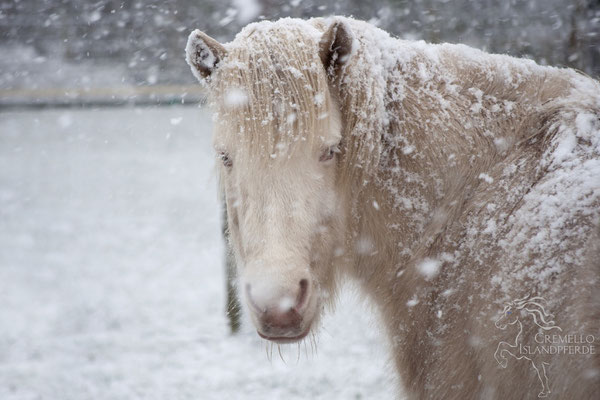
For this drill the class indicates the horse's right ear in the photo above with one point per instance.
(203, 54)
(336, 46)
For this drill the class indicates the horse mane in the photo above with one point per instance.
(534, 306)
(360, 89)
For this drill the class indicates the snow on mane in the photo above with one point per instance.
(268, 91)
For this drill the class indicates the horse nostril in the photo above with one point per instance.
(302, 295)
(271, 301)
(303, 284)
(251, 300)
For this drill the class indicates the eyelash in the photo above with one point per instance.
(329, 153)
(325, 156)
(227, 161)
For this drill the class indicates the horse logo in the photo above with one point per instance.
(513, 311)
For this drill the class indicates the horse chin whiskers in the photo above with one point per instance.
(269, 351)
(309, 341)
(280, 355)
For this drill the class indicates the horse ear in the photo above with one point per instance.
(203, 54)
(335, 47)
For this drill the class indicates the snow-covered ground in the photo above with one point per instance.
(111, 278)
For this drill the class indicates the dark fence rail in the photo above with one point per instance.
(101, 97)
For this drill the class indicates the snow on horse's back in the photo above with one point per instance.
(447, 181)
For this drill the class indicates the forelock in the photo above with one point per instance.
(271, 90)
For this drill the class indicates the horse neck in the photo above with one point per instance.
(431, 161)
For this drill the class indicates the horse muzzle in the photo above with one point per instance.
(281, 316)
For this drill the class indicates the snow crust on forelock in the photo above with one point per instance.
(437, 128)
(269, 92)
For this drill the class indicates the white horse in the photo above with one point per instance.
(445, 180)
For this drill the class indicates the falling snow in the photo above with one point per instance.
(429, 267)
(113, 286)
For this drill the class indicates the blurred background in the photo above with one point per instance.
(112, 277)
(105, 49)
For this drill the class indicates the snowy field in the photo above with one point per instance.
(111, 278)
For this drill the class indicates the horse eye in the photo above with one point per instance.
(329, 153)
(227, 161)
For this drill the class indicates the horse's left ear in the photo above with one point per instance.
(335, 47)
(203, 54)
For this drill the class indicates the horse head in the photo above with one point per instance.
(278, 137)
